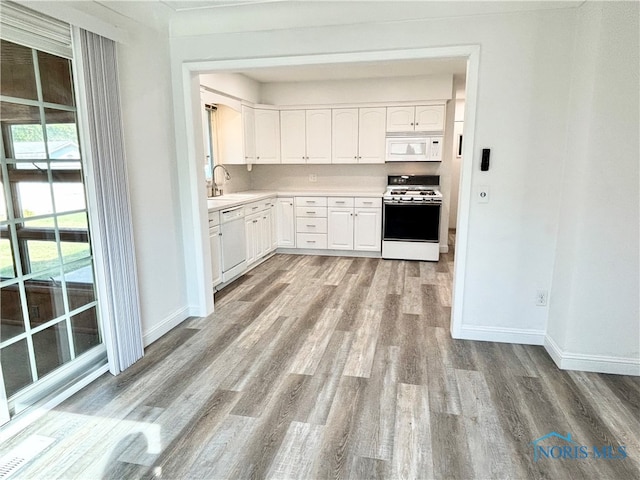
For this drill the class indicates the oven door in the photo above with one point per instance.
(410, 222)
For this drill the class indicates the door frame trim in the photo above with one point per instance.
(193, 201)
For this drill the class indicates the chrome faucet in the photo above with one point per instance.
(217, 190)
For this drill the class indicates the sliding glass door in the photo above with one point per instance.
(49, 316)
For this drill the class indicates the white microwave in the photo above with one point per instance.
(422, 148)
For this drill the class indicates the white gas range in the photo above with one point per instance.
(411, 218)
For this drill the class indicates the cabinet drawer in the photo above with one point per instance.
(311, 225)
(369, 202)
(311, 201)
(214, 219)
(311, 212)
(340, 201)
(311, 240)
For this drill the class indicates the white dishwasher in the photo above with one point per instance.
(234, 249)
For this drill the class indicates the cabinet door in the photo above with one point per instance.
(250, 232)
(292, 136)
(367, 230)
(259, 236)
(267, 136)
(430, 118)
(372, 142)
(216, 248)
(286, 222)
(265, 235)
(400, 119)
(344, 135)
(249, 133)
(340, 229)
(318, 136)
(274, 227)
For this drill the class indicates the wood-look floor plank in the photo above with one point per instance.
(334, 459)
(486, 440)
(308, 357)
(323, 385)
(450, 448)
(294, 459)
(376, 420)
(412, 297)
(364, 343)
(412, 448)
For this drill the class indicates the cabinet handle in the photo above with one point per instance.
(311, 213)
(355, 158)
(254, 208)
(368, 203)
(255, 221)
(220, 234)
(257, 158)
(311, 226)
(311, 241)
(412, 124)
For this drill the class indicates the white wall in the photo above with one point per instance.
(396, 89)
(521, 114)
(594, 315)
(145, 88)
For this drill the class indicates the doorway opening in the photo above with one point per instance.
(189, 132)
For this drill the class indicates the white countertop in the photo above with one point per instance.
(240, 198)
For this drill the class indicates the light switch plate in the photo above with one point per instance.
(313, 177)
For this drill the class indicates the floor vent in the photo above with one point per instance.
(22, 454)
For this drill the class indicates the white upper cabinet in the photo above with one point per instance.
(344, 136)
(318, 136)
(401, 119)
(293, 136)
(429, 118)
(305, 136)
(425, 118)
(249, 134)
(358, 135)
(371, 135)
(267, 136)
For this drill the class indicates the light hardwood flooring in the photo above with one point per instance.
(320, 367)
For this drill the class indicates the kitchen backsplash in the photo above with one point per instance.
(347, 177)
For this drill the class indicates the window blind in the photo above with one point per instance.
(106, 139)
(22, 25)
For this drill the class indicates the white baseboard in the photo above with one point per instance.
(591, 363)
(502, 334)
(444, 248)
(165, 325)
(329, 253)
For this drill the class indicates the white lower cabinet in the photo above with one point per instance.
(216, 249)
(259, 230)
(367, 229)
(340, 228)
(355, 224)
(285, 222)
(311, 222)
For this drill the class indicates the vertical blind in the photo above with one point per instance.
(100, 75)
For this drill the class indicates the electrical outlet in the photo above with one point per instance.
(313, 177)
(541, 298)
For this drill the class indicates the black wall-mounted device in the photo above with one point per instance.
(484, 165)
